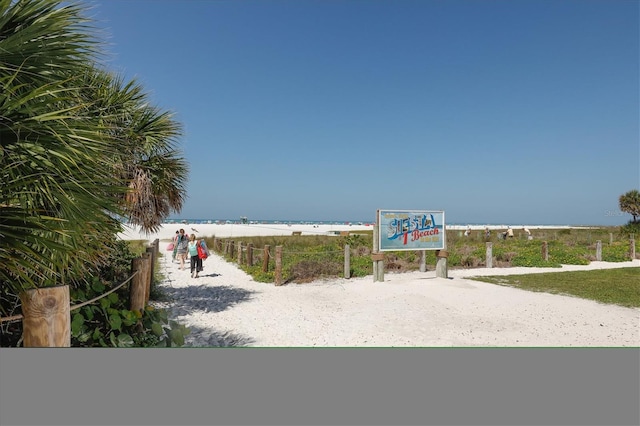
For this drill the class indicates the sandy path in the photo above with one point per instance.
(225, 307)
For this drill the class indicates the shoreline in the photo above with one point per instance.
(226, 230)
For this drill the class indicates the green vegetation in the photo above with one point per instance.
(616, 286)
(307, 258)
(80, 151)
(630, 203)
(108, 322)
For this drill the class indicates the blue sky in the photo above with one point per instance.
(493, 111)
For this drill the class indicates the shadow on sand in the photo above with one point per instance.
(207, 337)
(196, 299)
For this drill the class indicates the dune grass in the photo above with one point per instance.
(310, 257)
(620, 286)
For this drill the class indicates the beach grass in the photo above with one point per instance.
(620, 286)
(310, 257)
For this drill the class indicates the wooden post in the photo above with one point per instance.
(423, 260)
(545, 251)
(489, 255)
(441, 263)
(240, 253)
(598, 250)
(374, 252)
(138, 288)
(265, 259)
(232, 249)
(156, 245)
(250, 254)
(47, 317)
(278, 271)
(152, 265)
(146, 272)
(610, 238)
(377, 257)
(347, 261)
(632, 249)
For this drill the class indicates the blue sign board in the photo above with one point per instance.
(411, 230)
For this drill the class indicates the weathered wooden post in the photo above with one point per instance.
(347, 261)
(423, 260)
(250, 254)
(598, 250)
(377, 257)
(441, 263)
(156, 245)
(138, 288)
(489, 255)
(278, 270)
(146, 270)
(46, 319)
(232, 249)
(610, 238)
(265, 258)
(240, 245)
(152, 264)
(632, 249)
(545, 251)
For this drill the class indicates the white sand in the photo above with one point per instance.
(226, 307)
(167, 231)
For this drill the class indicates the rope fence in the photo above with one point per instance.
(46, 311)
(80, 305)
(273, 258)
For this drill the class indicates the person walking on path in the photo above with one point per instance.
(175, 246)
(182, 246)
(196, 262)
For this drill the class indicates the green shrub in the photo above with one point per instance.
(631, 228)
(309, 257)
(108, 322)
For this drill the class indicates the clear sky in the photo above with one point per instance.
(493, 111)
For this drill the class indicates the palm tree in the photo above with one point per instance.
(630, 203)
(53, 211)
(150, 163)
(79, 149)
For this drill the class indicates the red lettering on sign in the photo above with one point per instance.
(417, 234)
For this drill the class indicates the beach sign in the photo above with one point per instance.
(411, 230)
